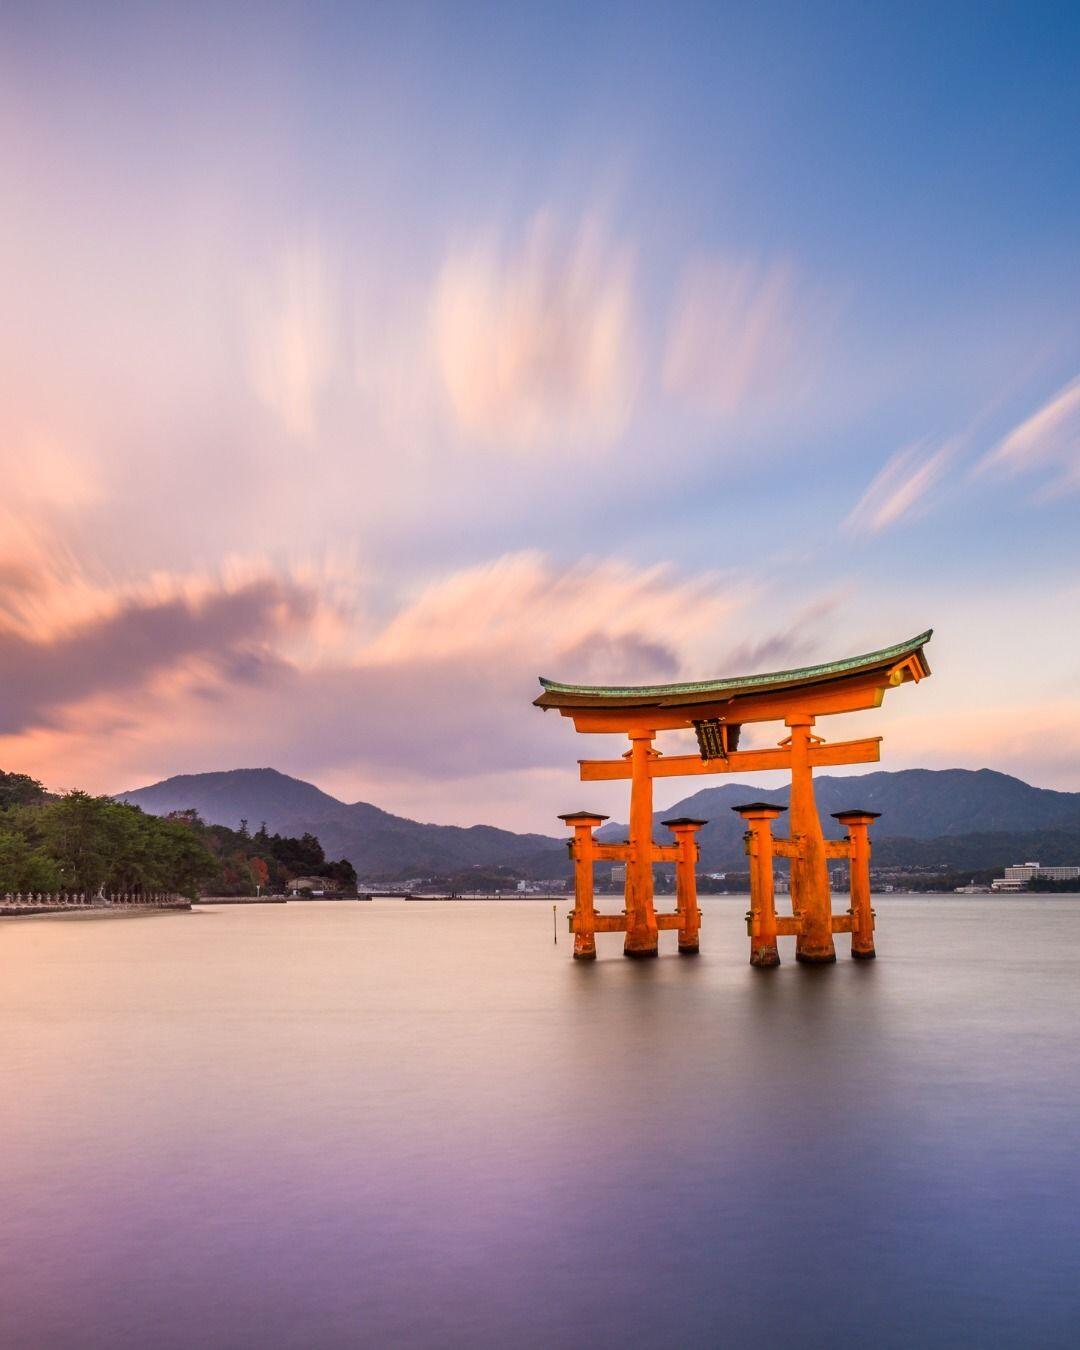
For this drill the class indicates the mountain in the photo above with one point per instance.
(958, 817)
(228, 797)
(921, 809)
(977, 852)
(375, 842)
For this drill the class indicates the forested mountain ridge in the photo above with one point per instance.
(79, 843)
(943, 815)
(951, 816)
(376, 842)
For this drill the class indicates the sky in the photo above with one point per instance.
(361, 363)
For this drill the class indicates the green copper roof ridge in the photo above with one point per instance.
(741, 681)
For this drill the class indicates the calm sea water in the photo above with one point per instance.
(398, 1125)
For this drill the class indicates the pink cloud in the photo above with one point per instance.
(537, 344)
(523, 602)
(441, 690)
(1049, 440)
(741, 335)
(1038, 741)
(901, 487)
(292, 336)
(222, 637)
(425, 711)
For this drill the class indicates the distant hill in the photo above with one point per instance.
(958, 817)
(375, 842)
(227, 797)
(920, 810)
(975, 852)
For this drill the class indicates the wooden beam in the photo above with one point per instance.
(612, 852)
(832, 697)
(834, 848)
(609, 923)
(616, 923)
(865, 751)
(625, 853)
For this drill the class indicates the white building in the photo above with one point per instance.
(1020, 875)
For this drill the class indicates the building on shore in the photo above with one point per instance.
(1021, 875)
(307, 888)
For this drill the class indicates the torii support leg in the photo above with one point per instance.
(862, 915)
(642, 938)
(761, 921)
(685, 831)
(810, 895)
(582, 850)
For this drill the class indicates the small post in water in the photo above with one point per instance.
(555, 922)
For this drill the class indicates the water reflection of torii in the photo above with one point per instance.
(716, 710)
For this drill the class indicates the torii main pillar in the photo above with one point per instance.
(809, 866)
(642, 936)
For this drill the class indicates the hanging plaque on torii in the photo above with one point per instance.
(716, 710)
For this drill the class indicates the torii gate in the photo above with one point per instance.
(717, 710)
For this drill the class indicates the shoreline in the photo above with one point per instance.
(189, 906)
(241, 900)
(92, 911)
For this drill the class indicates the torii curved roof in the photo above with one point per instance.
(558, 695)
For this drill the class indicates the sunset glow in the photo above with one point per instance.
(337, 407)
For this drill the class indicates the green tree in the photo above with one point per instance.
(24, 868)
(19, 789)
(75, 832)
(83, 843)
(101, 844)
(183, 861)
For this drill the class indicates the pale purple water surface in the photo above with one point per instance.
(398, 1125)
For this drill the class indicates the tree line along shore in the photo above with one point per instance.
(75, 842)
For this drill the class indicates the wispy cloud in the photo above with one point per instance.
(43, 474)
(799, 639)
(191, 671)
(229, 634)
(523, 602)
(1048, 440)
(742, 333)
(291, 336)
(537, 343)
(901, 488)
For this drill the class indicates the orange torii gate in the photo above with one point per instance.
(717, 710)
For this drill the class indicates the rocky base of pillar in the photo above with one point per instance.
(689, 949)
(817, 958)
(764, 957)
(585, 954)
(641, 953)
(858, 954)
